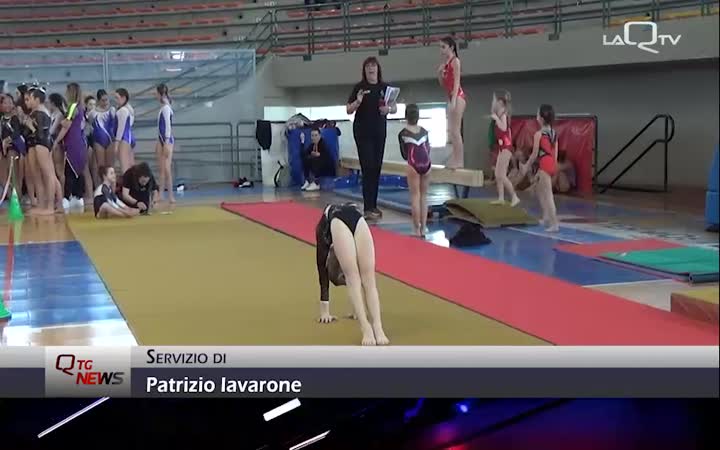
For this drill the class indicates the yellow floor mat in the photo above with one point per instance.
(203, 276)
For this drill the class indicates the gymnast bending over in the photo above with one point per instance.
(346, 256)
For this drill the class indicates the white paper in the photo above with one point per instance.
(391, 95)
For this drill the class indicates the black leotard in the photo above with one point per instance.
(10, 127)
(41, 134)
(350, 215)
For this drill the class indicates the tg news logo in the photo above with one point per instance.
(82, 371)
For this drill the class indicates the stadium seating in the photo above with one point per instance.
(70, 24)
(54, 14)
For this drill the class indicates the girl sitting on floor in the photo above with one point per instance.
(139, 189)
(565, 179)
(106, 204)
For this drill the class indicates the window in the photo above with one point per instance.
(279, 113)
(434, 119)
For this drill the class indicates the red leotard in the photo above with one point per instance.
(504, 138)
(449, 80)
(546, 157)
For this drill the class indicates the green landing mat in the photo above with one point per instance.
(696, 263)
(483, 212)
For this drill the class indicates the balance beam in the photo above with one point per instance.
(439, 174)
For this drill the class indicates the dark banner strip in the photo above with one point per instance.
(21, 382)
(407, 382)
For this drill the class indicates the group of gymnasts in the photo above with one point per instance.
(66, 148)
(541, 164)
(345, 250)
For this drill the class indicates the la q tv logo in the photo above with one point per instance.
(83, 373)
(650, 40)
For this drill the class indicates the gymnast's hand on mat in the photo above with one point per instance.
(326, 318)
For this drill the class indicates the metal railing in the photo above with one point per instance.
(205, 152)
(668, 134)
(347, 26)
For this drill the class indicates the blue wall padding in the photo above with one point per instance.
(713, 176)
(295, 149)
(712, 208)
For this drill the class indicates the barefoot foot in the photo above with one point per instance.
(368, 337)
(500, 201)
(42, 212)
(380, 337)
(515, 201)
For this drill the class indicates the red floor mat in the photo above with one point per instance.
(556, 311)
(597, 249)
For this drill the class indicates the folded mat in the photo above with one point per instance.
(699, 304)
(696, 263)
(483, 212)
(597, 249)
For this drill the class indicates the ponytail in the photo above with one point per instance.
(450, 42)
(164, 92)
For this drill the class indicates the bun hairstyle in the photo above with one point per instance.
(20, 100)
(38, 93)
(58, 101)
(164, 91)
(122, 92)
(504, 97)
(450, 42)
(412, 114)
(547, 114)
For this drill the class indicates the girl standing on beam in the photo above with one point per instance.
(449, 78)
(345, 255)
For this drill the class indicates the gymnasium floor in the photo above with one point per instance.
(178, 279)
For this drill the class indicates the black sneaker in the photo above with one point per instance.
(371, 215)
(377, 212)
